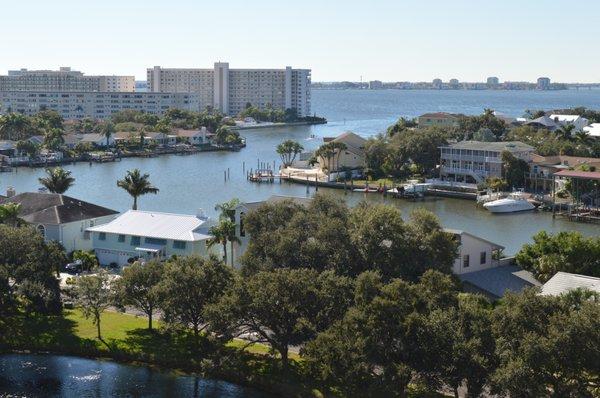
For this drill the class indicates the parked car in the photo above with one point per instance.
(74, 267)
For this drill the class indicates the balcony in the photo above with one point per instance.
(459, 170)
(481, 159)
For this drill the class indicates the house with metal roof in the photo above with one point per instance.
(496, 281)
(474, 252)
(147, 235)
(61, 218)
(577, 121)
(563, 282)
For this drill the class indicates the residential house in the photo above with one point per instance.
(240, 212)
(147, 235)
(8, 148)
(543, 122)
(36, 139)
(593, 130)
(475, 161)
(496, 281)
(195, 137)
(61, 218)
(563, 282)
(352, 158)
(563, 120)
(71, 140)
(161, 138)
(547, 166)
(438, 119)
(97, 140)
(474, 253)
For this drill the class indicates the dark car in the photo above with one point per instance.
(74, 267)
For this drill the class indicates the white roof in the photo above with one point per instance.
(562, 282)
(157, 225)
(461, 232)
(564, 118)
(593, 129)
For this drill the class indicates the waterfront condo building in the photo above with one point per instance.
(96, 105)
(63, 79)
(438, 119)
(230, 90)
(475, 161)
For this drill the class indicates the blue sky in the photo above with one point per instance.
(389, 40)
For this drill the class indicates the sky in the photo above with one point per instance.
(389, 40)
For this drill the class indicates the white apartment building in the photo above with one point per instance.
(96, 105)
(229, 90)
(63, 79)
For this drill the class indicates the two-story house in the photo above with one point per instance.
(475, 161)
(150, 235)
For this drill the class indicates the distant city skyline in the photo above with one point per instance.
(382, 40)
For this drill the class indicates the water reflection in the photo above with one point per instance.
(63, 376)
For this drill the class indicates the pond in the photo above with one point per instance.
(65, 376)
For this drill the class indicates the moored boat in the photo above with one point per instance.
(513, 203)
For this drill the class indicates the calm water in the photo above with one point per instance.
(188, 183)
(64, 376)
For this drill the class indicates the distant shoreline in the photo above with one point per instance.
(265, 125)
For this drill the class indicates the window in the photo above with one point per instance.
(466, 261)
(135, 241)
(155, 241)
(482, 258)
(102, 236)
(121, 238)
(242, 230)
(179, 244)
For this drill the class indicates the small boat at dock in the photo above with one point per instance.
(514, 202)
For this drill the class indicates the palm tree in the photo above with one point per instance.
(338, 147)
(566, 131)
(14, 126)
(582, 137)
(9, 214)
(227, 209)
(136, 184)
(54, 138)
(288, 150)
(327, 152)
(107, 130)
(222, 233)
(58, 180)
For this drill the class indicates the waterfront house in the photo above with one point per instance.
(61, 218)
(496, 281)
(147, 235)
(97, 140)
(240, 212)
(563, 282)
(474, 253)
(575, 120)
(438, 119)
(352, 158)
(195, 137)
(8, 148)
(160, 138)
(36, 139)
(543, 122)
(475, 161)
(547, 166)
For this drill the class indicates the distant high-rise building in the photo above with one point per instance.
(230, 90)
(492, 81)
(454, 83)
(437, 83)
(375, 84)
(543, 83)
(63, 80)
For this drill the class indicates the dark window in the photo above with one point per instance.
(135, 241)
(102, 236)
(466, 260)
(242, 230)
(121, 238)
(155, 241)
(179, 244)
(482, 258)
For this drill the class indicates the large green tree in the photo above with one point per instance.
(139, 287)
(94, 295)
(288, 150)
(189, 286)
(282, 308)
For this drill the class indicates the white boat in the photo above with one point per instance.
(513, 203)
(365, 190)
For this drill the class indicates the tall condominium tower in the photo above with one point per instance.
(230, 90)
